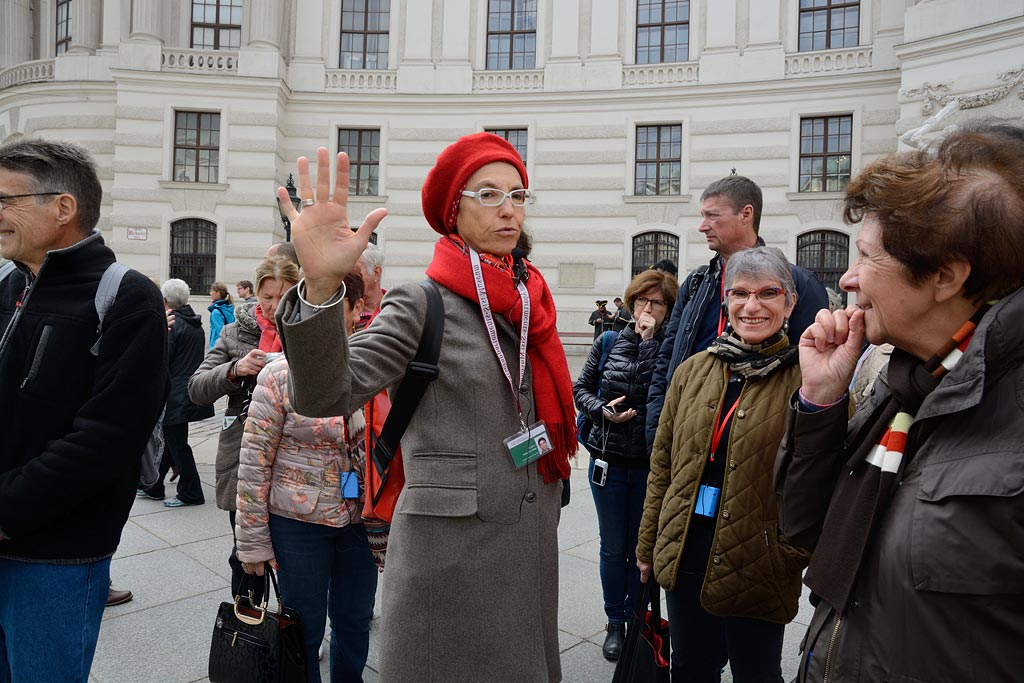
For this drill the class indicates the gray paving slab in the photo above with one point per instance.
(136, 540)
(212, 553)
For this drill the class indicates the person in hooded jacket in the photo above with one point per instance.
(230, 369)
(186, 346)
(222, 310)
(614, 398)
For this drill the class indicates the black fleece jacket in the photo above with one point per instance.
(627, 372)
(73, 425)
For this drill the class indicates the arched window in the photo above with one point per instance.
(651, 247)
(194, 253)
(826, 253)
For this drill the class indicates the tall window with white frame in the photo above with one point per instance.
(826, 253)
(662, 31)
(363, 148)
(196, 146)
(825, 149)
(659, 160)
(829, 24)
(515, 136)
(651, 247)
(364, 34)
(194, 252)
(511, 34)
(216, 24)
(63, 36)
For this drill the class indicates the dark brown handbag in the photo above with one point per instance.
(252, 644)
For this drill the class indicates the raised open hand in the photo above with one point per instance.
(326, 246)
(829, 351)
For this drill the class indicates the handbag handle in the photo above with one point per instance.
(269, 578)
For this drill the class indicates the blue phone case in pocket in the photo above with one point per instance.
(707, 501)
(349, 485)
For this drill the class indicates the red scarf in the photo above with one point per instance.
(269, 341)
(552, 386)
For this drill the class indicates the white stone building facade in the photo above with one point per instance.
(197, 109)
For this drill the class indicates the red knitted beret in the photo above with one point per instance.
(461, 159)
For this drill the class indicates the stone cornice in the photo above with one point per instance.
(937, 48)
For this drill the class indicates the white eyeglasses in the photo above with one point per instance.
(489, 196)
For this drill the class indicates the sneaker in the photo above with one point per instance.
(179, 503)
(143, 493)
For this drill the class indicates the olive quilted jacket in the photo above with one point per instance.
(753, 571)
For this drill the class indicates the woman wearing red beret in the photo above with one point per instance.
(471, 591)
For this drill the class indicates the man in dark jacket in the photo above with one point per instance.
(76, 409)
(731, 217)
(186, 346)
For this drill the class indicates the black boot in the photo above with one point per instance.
(613, 641)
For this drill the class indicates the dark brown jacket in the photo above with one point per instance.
(940, 592)
(753, 570)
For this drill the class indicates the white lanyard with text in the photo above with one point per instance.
(492, 331)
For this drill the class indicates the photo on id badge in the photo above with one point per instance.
(526, 446)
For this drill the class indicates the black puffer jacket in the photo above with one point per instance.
(627, 372)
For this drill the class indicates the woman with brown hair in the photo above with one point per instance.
(613, 397)
(222, 310)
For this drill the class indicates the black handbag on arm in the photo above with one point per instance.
(252, 644)
(645, 654)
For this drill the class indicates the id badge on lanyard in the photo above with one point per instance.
(529, 443)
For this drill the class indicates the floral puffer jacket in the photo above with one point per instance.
(292, 466)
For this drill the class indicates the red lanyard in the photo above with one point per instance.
(716, 435)
(723, 319)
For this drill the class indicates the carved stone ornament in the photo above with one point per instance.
(931, 93)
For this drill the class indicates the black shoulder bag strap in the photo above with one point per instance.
(421, 372)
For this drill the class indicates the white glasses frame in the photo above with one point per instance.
(527, 194)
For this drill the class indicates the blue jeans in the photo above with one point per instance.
(50, 620)
(327, 570)
(701, 640)
(620, 504)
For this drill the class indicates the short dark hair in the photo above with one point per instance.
(56, 166)
(245, 284)
(962, 201)
(353, 288)
(738, 192)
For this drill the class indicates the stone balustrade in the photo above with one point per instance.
(844, 60)
(27, 72)
(199, 61)
(360, 79)
(647, 75)
(494, 81)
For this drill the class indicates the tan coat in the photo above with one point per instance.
(471, 587)
(753, 571)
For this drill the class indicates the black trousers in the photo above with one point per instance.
(179, 453)
(700, 640)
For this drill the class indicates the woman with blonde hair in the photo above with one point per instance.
(613, 397)
(230, 369)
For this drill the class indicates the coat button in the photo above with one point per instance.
(530, 497)
(725, 514)
(741, 413)
(732, 464)
(716, 560)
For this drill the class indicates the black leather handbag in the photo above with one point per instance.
(252, 644)
(645, 654)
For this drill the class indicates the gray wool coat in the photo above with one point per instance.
(471, 588)
(210, 381)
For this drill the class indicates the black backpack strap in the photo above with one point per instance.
(421, 372)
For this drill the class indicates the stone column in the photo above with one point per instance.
(416, 72)
(265, 21)
(111, 29)
(721, 24)
(85, 26)
(146, 21)
(15, 33)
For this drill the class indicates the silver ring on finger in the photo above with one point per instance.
(307, 202)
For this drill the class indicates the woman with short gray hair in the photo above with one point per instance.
(709, 532)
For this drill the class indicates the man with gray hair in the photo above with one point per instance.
(370, 268)
(78, 403)
(730, 212)
(186, 347)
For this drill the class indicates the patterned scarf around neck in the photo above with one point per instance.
(875, 468)
(754, 360)
(552, 385)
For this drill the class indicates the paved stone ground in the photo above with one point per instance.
(175, 561)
